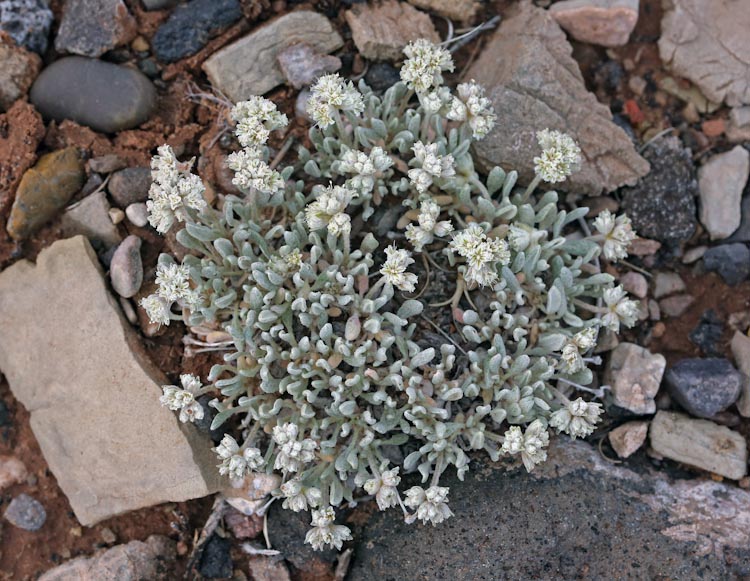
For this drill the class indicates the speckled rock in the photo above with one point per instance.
(662, 205)
(90, 217)
(534, 82)
(26, 513)
(381, 31)
(248, 66)
(634, 374)
(28, 22)
(19, 69)
(731, 261)
(93, 27)
(576, 516)
(152, 560)
(129, 186)
(699, 443)
(216, 559)
(704, 387)
(126, 268)
(103, 96)
(44, 190)
(190, 26)
(602, 22)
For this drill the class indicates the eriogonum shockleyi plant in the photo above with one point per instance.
(364, 349)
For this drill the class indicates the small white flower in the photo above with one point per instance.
(298, 497)
(617, 232)
(431, 166)
(291, 454)
(325, 532)
(184, 399)
(578, 418)
(473, 107)
(330, 94)
(365, 167)
(340, 224)
(482, 254)
(235, 462)
(255, 119)
(620, 309)
(173, 281)
(384, 488)
(252, 172)
(530, 444)
(431, 504)
(330, 201)
(560, 156)
(394, 269)
(157, 309)
(424, 65)
(572, 360)
(428, 226)
(437, 101)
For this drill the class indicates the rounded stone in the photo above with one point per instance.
(126, 269)
(103, 96)
(137, 214)
(129, 186)
(26, 513)
(704, 387)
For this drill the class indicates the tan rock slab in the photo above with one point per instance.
(381, 31)
(248, 66)
(457, 10)
(72, 360)
(602, 22)
(634, 375)
(699, 443)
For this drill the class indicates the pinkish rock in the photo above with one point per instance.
(634, 375)
(301, 64)
(602, 22)
(12, 471)
(628, 438)
(676, 306)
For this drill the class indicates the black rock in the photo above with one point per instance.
(129, 186)
(5, 417)
(662, 204)
(26, 513)
(103, 96)
(27, 22)
(192, 25)
(204, 424)
(707, 335)
(381, 76)
(731, 261)
(216, 560)
(704, 387)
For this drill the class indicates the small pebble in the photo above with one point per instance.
(628, 438)
(129, 311)
(116, 215)
(300, 106)
(658, 330)
(694, 254)
(12, 471)
(654, 312)
(129, 185)
(637, 85)
(139, 44)
(26, 513)
(704, 387)
(731, 261)
(126, 269)
(667, 283)
(137, 214)
(676, 306)
(106, 163)
(635, 283)
(108, 536)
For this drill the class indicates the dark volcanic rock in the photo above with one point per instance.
(704, 387)
(575, 517)
(662, 204)
(192, 25)
(707, 335)
(381, 76)
(27, 21)
(216, 561)
(92, 27)
(731, 261)
(104, 96)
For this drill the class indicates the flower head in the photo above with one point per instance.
(572, 360)
(237, 462)
(324, 532)
(577, 418)
(331, 94)
(394, 269)
(255, 119)
(364, 167)
(157, 308)
(384, 488)
(298, 497)
(473, 107)
(330, 202)
(530, 444)
(431, 166)
(482, 254)
(292, 454)
(560, 156)
(184, 399)
(428, 226)
(617, 233)
(173, 281)
(424, 65)
(620, 309)
(431, 504)
(252, 172)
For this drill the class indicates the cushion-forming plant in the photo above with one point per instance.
(354, 356)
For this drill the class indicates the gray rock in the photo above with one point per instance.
(628, 438)
(382, 76)
(90, 217)
(676, 306)
(302, 65)
(704, 387)
(19, 69)
(26, 513)
(738, 128)
(158, 4)
(707, 334)
(634, 375)
(103, 96)
(129, 186)
(457, 10)
(28, 22)
(662, 205)
(533, 83)
(190, 26)
(248, 66)
(381, 31)
(699, 443)
(741, 353)
(93, 27)
(721, 181)
(106, 163)
(153, 560)
(137, 214)
(635, 284)
(216, 559)
(602, 22)
(576, 516)
(742, 234)
(126, 268)
(696, 35)
(731, 261)
(668, 283)
(70, 369)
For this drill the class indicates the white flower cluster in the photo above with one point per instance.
(325, 532)
(482, 254)
(236, 462)
(617, 234)
(173, 192)
(184, 399)
(619, 309)
(252, 172)
(331, 94)
(577, 418)
(560, 156)
(255, 119)
(329, 209)
(530, 444)
(298, 497)
(473, 107)
(292, 453)
(384, 488)
(427, 226)
(424, 65)
(572, 359)
(173, 281)
(431, 505)
(364, 167)
(431, 166)
(394, 269)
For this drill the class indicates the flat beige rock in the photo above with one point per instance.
(72, 360)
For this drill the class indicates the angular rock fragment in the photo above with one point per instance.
(634, 375)
(92, 392)
(602, 22)
(302, 65)
(456, 10)
(704, 387)
(628, 438)
(722, 180)
(19, 69)
(28, 22)
(534, 83)
(90, 217)
(731, 261)
(93, 27)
